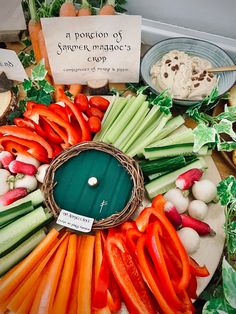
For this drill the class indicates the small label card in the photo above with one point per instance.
(11, 65)
(75, 221)
(93, 48)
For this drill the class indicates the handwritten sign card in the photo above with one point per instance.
(11, 65)
(93, 47)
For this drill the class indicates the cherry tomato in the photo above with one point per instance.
(99, 102)
(81, 101)
(94, 112)
(94, 124)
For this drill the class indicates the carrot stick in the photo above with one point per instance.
(57, 91)
(34, 28)
(72, 306)
(108, 8)
(68, 9)
(27, 286)
(27, 302)
(43, 51)
(63, 292)
(11, 282)
(75, 89)
(45, 295)
(85, 9)
(85, 276)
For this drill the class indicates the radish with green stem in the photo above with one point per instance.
(198, 209)
(190, 239)
(204, 190)
(187, 179)
(26, 181)
(17, 166)
(5, 176)
(200, 227)
(41, 172)
(172, 214)
(176, 197)
(12, 196)
(28, 160)
(5, 158)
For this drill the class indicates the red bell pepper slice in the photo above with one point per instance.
(150, 276)
(192, 287)
(127, 276)
(57, 149)
(26, 134)
(60, 110)
(113, 295)
(36, 112)
(23, 123)
(159, 202)
(142, 222)
(86, 134)
(17, 145)
(132, 236)
(51, 134)
(155, 250)
(197, 270)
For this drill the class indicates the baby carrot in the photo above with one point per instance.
(68, 9)
(85, 9)
(108, 8)
(34, 28)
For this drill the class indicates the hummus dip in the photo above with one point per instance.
(185, 76)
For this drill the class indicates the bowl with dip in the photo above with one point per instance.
(180, 65)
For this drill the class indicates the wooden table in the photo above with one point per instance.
(224, 168)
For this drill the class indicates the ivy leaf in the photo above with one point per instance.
(203, 135)
(229, 283)
(232, 237)
(26, 41)
(27, 85)
(217, 306)
(226, 190)
(32, 94)
(39, 72)
(48, 88)
(226, 146)
(164, 100)
(43, 97)
(229, 113)
(225, 126)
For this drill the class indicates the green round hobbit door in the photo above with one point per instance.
(93, 184)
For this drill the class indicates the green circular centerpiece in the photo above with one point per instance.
(96, 180)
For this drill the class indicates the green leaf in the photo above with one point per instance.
(229, 113)
(39, 72)
(32, 94)
(48, 88)
(14, 114)
(229, 283)
(43, 97)
(225, 126)
(26, 41)
(203, 135)
(226, 146)
(226, 190)
(27, 85)
(232, 237)
(215, 306)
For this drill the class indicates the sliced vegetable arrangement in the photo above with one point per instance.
(141, 263)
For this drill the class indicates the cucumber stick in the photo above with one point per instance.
(139, 147)
(152, 153)
(124, 118)
(8, 215)
(167, 181)
(36, 197)
(133, 122)
(112, 116)
(19, 230)
(150, 118)
(15, 256)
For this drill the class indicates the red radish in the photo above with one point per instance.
(17, 166)
(187, 179)
(82, 102)
(99, 102)
(5, 158)
(200, 227)
(172, 214)
(12, 196)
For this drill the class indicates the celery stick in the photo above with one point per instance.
(133, 122)
(182, 136)
(140, 146)
(111, 113)
(124, 118)
(153, 115)
(114, 114)
(170, 126)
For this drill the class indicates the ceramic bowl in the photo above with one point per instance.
(217, 56)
